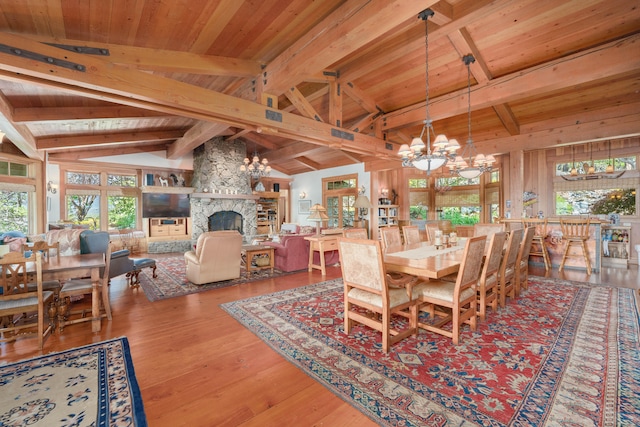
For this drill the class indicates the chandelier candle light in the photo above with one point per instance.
(477, 163)
(255, 168)
(443, 149)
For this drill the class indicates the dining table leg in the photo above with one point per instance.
(96, 323)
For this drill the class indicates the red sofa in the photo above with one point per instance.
(292, 253)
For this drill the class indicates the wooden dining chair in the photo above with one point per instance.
(522, 262)
(575, 232)
(47, 250)
(507, 273)
(540, 250)
(355, 233)
(488, 285)
(84, 287)
(454, 303)
(390, 236)
(371, 296)
(411, 234)
(17, 308)
(431, 231)
(14, 278)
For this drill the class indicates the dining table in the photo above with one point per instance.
(74, 267)
(424, 259)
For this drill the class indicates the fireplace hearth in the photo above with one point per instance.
(226, 220)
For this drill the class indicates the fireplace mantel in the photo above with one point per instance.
(224, 196)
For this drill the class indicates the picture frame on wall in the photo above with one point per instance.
(304, 206)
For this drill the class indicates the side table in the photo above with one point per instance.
(250, 251)
(321, 244)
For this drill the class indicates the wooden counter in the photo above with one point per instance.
(555, 245)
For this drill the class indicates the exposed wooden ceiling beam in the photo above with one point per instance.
(40, 114)
(168, 60)
(17, 133)
(464, 44)
(116, 84)
(64, 142)
(347, 29)
(309, 163)
(106, 151)
(196, 136)
(608, 60)
(303, 106)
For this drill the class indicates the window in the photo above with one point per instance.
(14, 211)
(418, 198)
(339, 194)
(17, 196)
(13, 169)
(458, 200)
(598, 196)
(102, 200)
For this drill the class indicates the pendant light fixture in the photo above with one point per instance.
(256, 168)
(443, 149)
(470, 164)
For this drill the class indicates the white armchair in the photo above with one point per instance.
(217, 257)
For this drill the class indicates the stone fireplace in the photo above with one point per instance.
(219, 187)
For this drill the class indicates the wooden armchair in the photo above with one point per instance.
(366, 285)
(507, 274)
(17, 303)
(454, 303)
(217, 257)
(488, 285)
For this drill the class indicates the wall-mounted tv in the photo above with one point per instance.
(165, 205)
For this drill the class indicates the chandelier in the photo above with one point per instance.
(590, 170)
(443, 149)
(469, 164)
(256, 168)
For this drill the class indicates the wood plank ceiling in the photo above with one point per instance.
(312, 85)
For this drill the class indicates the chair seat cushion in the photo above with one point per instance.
(76, 285)
(444, 291)
(396, 297)
(23, 302)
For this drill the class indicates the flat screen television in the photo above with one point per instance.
(165, 205)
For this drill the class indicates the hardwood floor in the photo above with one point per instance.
(197, 366)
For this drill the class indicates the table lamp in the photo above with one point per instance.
(318, 215)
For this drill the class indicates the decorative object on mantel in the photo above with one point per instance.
(318, 215)
(589, 169)
(256, 168)
(259, 186)
(477, 162)
(443, 149)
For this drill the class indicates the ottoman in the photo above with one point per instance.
(138, 264)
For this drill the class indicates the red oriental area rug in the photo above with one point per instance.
(171, 280)
(564, 353)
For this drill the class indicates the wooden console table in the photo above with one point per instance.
(321, 244)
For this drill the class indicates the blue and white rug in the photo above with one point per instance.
(94, 385)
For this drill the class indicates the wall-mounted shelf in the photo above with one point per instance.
(168, 190)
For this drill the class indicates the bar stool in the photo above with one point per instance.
(575, 232)
(540, 226)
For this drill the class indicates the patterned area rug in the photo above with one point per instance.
(172, 281)
(93, 385)
(563, 353)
